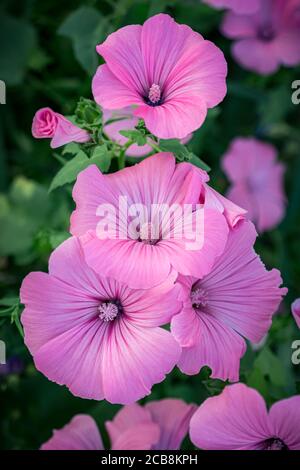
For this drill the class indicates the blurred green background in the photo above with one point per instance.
(48, 58)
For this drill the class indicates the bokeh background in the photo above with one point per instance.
(47, 58)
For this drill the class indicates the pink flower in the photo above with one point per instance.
(241, 7)
(158, 425)
(235, 300)
(170, 416)
(50, 125)
(98, 337)
(238, 419)
(127, 121)
(81, 433)
(144, 258)
(268, 38)
(257, 181)
(296, 311)
(215, 200)
(168, 71)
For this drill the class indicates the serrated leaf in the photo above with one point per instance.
(136, 136)
(69, 172)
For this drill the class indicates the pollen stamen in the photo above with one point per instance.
(108, 311)
(199, 298)
(154, 94)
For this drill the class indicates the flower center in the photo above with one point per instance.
(154, 95)
(199, 298)
(266, 33)
(108, 311)
(147, 234)
(275, 444)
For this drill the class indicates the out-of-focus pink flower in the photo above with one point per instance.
(296, 311)
(96, 336)
(268, 38)
(241, 7)
(256, 181)
(127, 121)
(81, 433)
(156, 192)
(238, 419)
(167, 70)
(236, 299)
(160, 425)
(171, 416)
(47, 124)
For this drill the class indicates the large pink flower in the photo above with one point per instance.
(163, 241)
(256, 181)
(238, 419)
(241, 7)
(95, 335)
(268, 38)
(50, 125)
(122, 120)
(235, 300)
(296, 311)
(159, 425)
(167, 70)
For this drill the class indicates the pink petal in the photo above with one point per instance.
(242, 7)
(286, 47)
(123, 56)
(81, 433)
(296, 311)
(139, 437)
(218, 347)
(242, 293)
(256, 55)
(285, 421)
(67, 132)
(236, 419)
(129, 416)
(104, 81)
(231, 211)
(131, 358)
(175, 118)
(186, 327)
(173, 417)
(236, 26)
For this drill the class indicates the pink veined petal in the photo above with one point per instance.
(296, 311)
(256, 55)
(128, 417)
(196, 261)
(123, 56)
(218, 347)
(175, 118)
(134, 359)
(139, 437)
(231, 211)
(285, 421)
(236, 26)
(234, 420)
(200, 73)
(173, 417)
(66, 132)
(186, 327)
(138, 264)
(241, 292)
(81, 433)
(163, 41)
(104, 81)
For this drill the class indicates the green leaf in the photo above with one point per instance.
(9, 301)
(101, 157)
(86, 27)
(56, 238)
(176, 147)
(15, 318)
(270, 366)
(71, 148)
(69, 172)
(135, 136)
(17, 39)
(198, 162)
